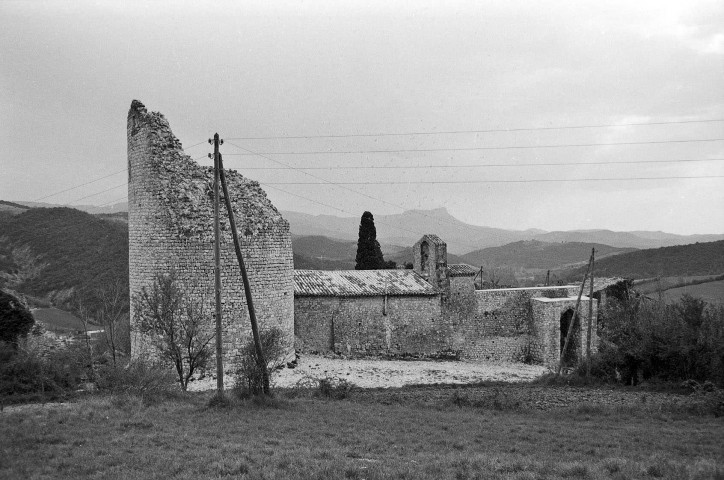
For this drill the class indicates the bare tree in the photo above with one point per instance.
(175, 325)
(112, 314)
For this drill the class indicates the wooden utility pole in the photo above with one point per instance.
(590, 319)
(548, 278)
(247, 288)
(573, 320)
(217, 269)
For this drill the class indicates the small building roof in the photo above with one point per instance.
(360, 283)
(462, 270)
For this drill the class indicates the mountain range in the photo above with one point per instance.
(62, 255)
(461, 238)
(406, 228)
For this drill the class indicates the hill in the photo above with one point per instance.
(304, 262)
(62, 254)
(681, 260)
(635, 239)
(406, 228)
(534, 254)
(93, 209)
(317, 252)
(406, 256)
(11, 208)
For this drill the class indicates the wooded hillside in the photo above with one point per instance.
(681, 260)
(62, 254)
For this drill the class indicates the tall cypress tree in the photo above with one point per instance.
(369, 253)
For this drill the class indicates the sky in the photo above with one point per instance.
(403, 105)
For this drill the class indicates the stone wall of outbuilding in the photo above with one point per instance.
(502, 325)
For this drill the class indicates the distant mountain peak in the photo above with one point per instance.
(436, 212)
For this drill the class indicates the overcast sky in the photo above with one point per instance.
(68, 74)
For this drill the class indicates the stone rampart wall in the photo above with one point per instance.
(499, 324)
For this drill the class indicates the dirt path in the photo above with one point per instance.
(395, 373)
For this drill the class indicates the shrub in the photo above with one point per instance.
(684, 340)
(219, 400)
(335, 388)
(31, 374)
(16, 321)
(147, 380)
(250, 374)
(175, 325)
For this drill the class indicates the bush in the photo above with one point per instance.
(175, 324)
(146, 380)
(16, 321)
(30, 374)
(335, 388)
(250, 374)
(684, 340)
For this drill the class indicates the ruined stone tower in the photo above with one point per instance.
(170, 226)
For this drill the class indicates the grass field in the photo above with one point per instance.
(120, 437)
(60, 321)
(711, 292)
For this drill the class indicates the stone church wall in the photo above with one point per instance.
(365, 326)
(171, 229)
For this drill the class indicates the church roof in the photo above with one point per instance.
(360, 283)
(462, 270)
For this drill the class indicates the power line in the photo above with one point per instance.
(479, 165)
(495, 130)
(453, 182)
(99, 179)
(125, 197)
(465, 149)
(194, 145)
(377, 221)
(81, 185)
(340, 186)
(94, 194)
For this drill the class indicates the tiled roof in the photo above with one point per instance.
(462, 270)
(360, 283)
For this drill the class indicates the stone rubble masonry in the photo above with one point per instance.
(171, 227)
(512, 324)
(430, 261)
(371, 326)
(547, 328)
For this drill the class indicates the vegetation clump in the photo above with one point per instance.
(175, 326)
(16, 321)
(648, 339)
(250, 373)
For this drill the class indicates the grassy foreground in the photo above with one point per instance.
(120, 437)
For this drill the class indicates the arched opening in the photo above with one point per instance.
(566, 324)
(424, 257)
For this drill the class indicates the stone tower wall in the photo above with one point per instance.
(171, 228)
(434, 268)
